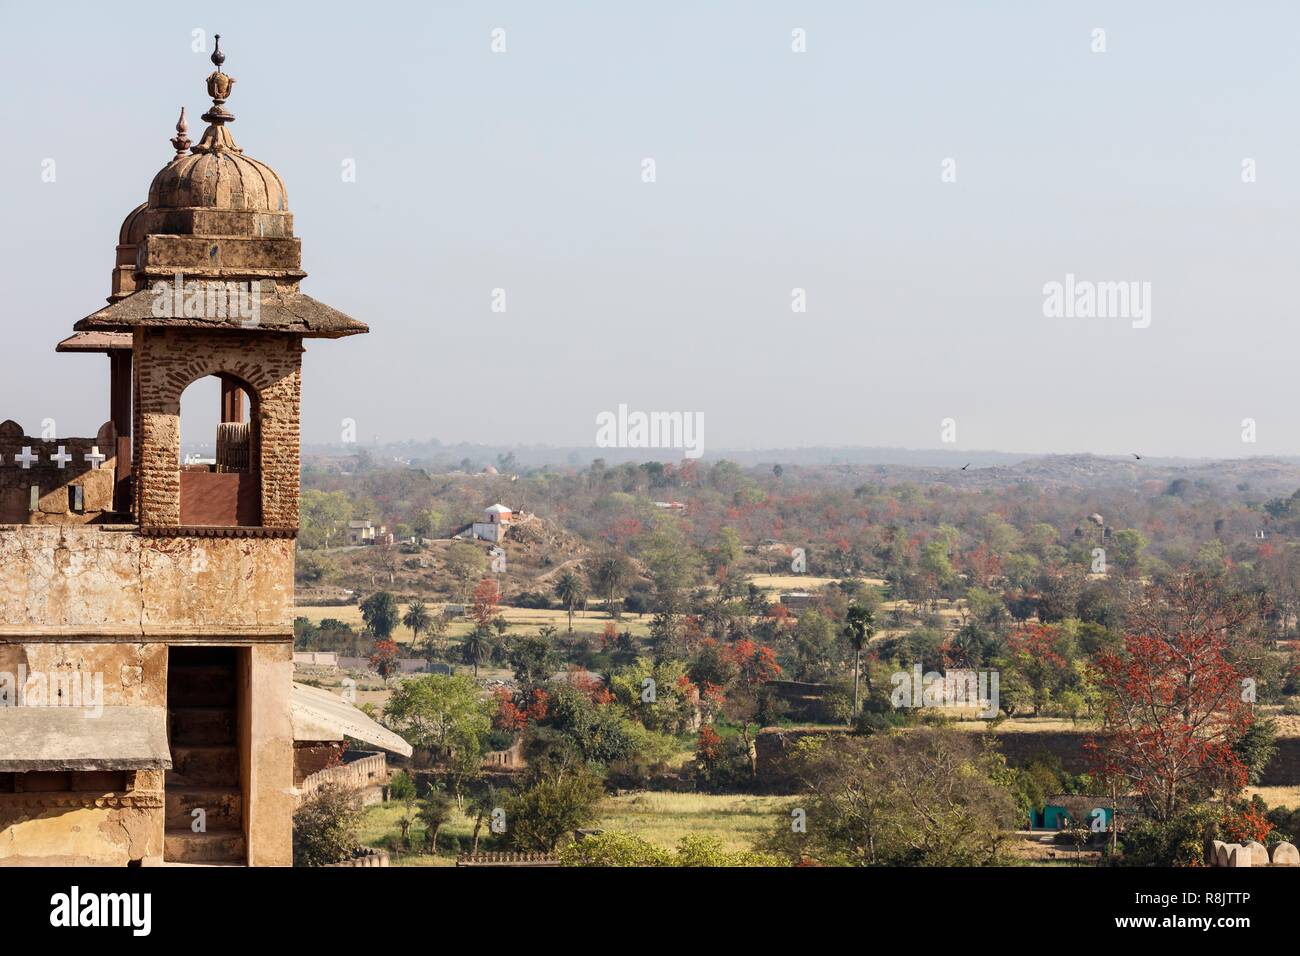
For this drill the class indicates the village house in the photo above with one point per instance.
(146, 606)
(496, 523)
(365, 532)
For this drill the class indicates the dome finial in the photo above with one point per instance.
(216, 136)
(219, 85)
(181, 141)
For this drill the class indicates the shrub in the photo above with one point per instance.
(325, 827)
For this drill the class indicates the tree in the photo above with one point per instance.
(383, 658)
(380, 613)
(323, 514)
(477, 647)
(918, 797)
(401, 789)
(437, 629)
(482, 804)
(569, 589)
(533, 660)
(727, 551)
(434, 815)
(465, 563)
(752, 666)
(1172, 700)
(439, 712)
(553, 807)
(417, 618)
(484, 607)
(609, 575)
(427, 523)
(859, 626)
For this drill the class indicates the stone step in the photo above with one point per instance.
(185, 846)
(203, 766)
(222, 806)
(201, 685)
(202, 725)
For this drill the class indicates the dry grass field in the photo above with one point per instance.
(1288, 797)
(1028, 725)
(789, 582)
(522, 620)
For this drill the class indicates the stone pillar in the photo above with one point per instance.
(268, 751)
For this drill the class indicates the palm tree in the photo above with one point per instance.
(417, 619)
(859, 626)
(477, 647)
(608, 576)
(570, 592)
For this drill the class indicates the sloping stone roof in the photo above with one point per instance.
(96, 342)
(279, 312)
(320, 715)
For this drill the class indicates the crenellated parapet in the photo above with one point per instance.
(56, 480)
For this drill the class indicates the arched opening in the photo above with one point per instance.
(220, 453)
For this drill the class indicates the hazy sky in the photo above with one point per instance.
(775, 170)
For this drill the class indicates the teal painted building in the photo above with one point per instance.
(1062, 812)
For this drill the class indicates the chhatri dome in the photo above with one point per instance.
(216, 174)
(214, 214)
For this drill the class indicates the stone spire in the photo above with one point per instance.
(181, 141)
(216, 137)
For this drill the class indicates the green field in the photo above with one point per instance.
(664, 818)
(659, 818)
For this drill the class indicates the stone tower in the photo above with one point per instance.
(146, 604)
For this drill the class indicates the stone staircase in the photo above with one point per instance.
(202, 731)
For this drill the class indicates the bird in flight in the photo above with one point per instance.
(1137, 456)
(965, 466)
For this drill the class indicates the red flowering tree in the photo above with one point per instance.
(483, 608)
(383, 658)
(511, 716)
(708, 745)
(1172, 699)
(1249, 824)
(608, 636)
(753, 666)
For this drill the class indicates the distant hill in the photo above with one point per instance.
(1250, 477)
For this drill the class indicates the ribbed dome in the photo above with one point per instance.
(218, 179)
(216, 174)
(132, 230)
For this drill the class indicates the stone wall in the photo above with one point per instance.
(772, 747)
(85, 829)
(94, 477)
(105, 600)
(364, 772)
(109, 582)
(1251, 854)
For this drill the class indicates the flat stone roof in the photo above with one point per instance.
(75, 738)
